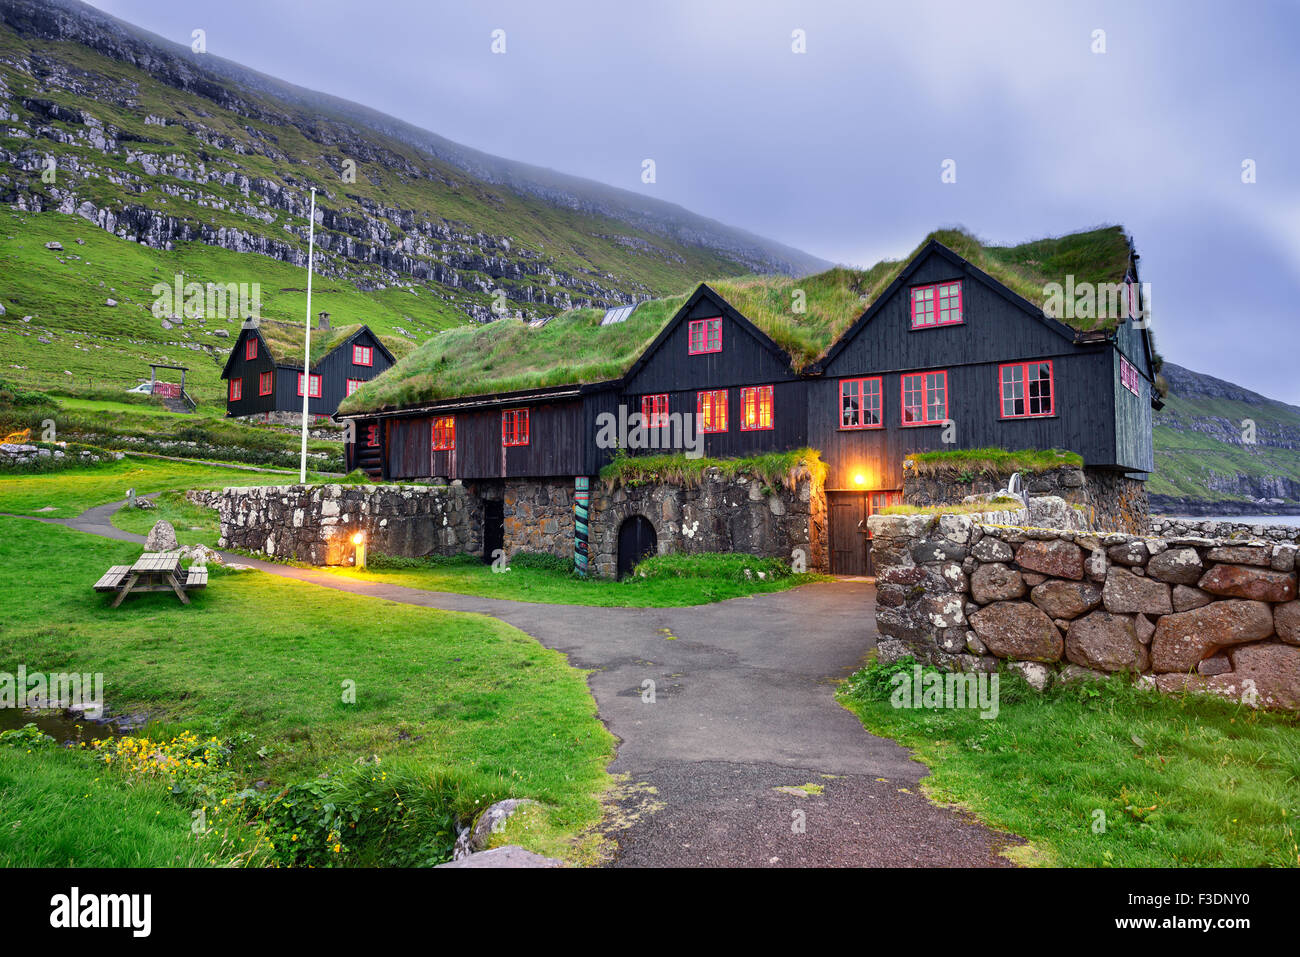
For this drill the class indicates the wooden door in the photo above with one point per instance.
(848, 510)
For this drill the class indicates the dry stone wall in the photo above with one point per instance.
(1184, 612)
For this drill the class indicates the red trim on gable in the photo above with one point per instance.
(704, 336)
(929, 383)
(444, 433)
(1009, 394)
(756, 409)
(869, 415)
(714, 417)
(931, 315)
(514, 427)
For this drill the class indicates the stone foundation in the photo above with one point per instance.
(1161, 525)
(1218, 615)
(1112, 500)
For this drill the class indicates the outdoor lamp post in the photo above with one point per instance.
(359, 541)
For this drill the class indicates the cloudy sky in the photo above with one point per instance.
(838, 150)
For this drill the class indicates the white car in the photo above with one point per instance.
(144, 388)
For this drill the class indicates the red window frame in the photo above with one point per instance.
(757, 410)
(313, 386)
(236, 389)
(937, 304)
(715, 420)
(514, 427)
(266, 383)
(372, 436)
(363, 355)
(1026, 384)
(926, 388)
(878, 388)
(250, 348)
(704, 335)
(654, 410)
(1128, 376)
(443, 433)
(354, 384)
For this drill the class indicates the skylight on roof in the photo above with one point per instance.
(616, 315)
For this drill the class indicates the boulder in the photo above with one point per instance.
(996, 582)
(161, 538)
(1129, 553)
(1261, 555)
(1072, 674)
(1275, 670)
(491, 821)
(1105, 642)
(1054, 557)
(1184, 638)
(1286, 622)
(1036, 675)
(1019, 630)
(1244, 581)
(990, 549)
(1126, 593)
(1214, 665)
(1177, 566)
(1187, 597)
(512, 855)
(1063, 599)
(1145, 628)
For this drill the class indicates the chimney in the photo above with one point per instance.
(249, 323)
(324, 320)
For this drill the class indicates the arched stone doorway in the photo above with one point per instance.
(636, 540)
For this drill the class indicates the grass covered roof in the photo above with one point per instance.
(573, 348)
(284, 340)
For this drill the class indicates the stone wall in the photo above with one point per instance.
(539, 517)
(315, 523)
(1113, 500)
(1182, 612)
(721, 514)
(1162, 525)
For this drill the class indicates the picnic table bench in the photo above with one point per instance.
(153, 571)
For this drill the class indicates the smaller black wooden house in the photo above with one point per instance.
(264, 372)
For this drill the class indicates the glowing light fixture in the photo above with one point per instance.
(359, 541)
(859, 479)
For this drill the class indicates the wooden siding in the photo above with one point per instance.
(249, 370)
(1132, 422)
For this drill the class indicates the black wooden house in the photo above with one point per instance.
(264, 372)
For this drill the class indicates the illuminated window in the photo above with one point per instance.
(514, 427)
(444, 433)
(711, 410)
(654, 410)
(755, 408)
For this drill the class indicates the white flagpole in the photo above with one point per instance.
(306, 354)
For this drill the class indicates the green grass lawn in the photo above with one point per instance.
(72, 491)
(670, 581)
(194, 525)
(1177, 781)
(460, 710)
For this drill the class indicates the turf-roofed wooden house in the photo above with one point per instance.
(948, 349)
(264, 372)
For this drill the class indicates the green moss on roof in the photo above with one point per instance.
(284, 339)
(573, 348)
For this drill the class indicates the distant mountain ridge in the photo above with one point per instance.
(1224, 449)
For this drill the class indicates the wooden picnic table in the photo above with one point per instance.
(153, 571)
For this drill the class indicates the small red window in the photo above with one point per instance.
(936, 305)
(354, 384)
(705, 335)
(372, 436)
(363, 356)
(1026, 390)
(654, 410)
(711, 410)
(444, 433)
(514, 427)
(265, 383)
(1128, 376)
(250, 347)
(925, 398)
(756, 408)
(236, 389)
(860, 404)
(313, 386)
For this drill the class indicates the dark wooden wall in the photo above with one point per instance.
(335, 369)
(250, 371)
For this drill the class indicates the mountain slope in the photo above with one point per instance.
(1205, 463)
(163, 146)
